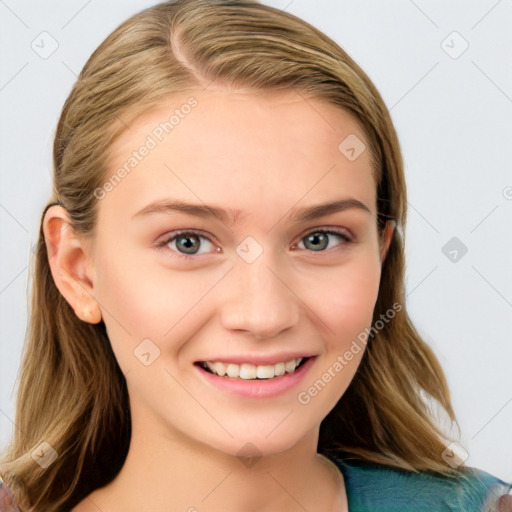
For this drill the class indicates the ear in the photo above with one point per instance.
(387, 235)
(70, 264)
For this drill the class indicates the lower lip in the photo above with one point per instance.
(263, 388)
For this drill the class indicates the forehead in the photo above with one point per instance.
(247, 150)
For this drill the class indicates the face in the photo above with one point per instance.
(261, 285)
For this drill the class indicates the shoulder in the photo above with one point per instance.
(371, 487)
(7, 501)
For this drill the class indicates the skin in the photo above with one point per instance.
(264, 153)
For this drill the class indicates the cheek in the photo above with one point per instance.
(133, 304)
(346, 300)
(346, 306)
(144, 300)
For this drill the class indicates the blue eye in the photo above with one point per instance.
(320, 238)
(189, 241)
(183, 238)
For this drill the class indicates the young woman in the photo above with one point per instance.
(218, 317)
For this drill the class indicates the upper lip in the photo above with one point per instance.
(258, 360)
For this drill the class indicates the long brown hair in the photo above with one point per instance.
(72, 393)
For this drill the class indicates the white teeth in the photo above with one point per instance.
(233, 370)
(219, 369)
(267, 371)
(248, 371)
(290, 366)
(279, 368)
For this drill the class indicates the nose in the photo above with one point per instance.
(261, 300)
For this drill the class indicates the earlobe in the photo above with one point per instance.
(68, 258)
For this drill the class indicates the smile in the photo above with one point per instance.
(255, 381)
(247, 371)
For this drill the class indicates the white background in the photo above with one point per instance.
(453, 117)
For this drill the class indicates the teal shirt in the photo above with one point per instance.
(372, 488)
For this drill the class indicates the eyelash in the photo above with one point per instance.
(175, 234)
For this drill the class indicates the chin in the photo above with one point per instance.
(252, 444)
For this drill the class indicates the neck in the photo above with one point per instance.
(165, 470)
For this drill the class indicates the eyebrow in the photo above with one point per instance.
(232, 216)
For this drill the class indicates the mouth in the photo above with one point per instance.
(247, 371)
